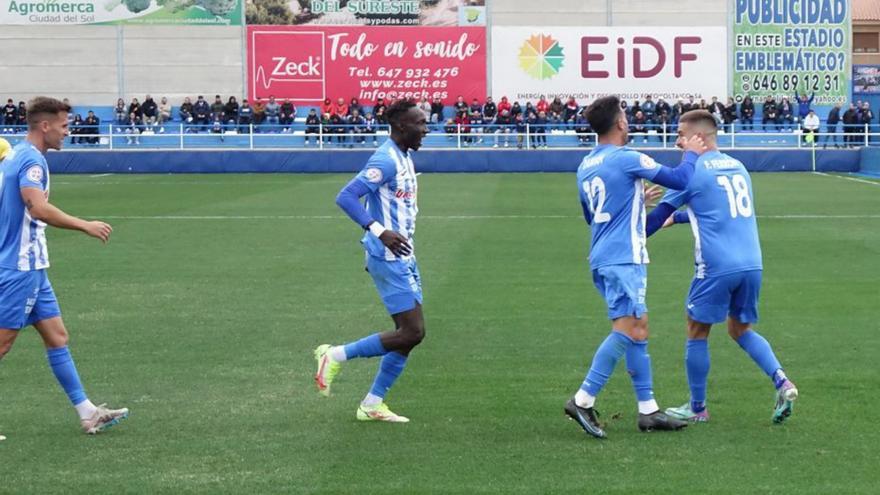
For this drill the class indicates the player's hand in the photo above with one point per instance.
(695, 144)
(652, 194)
(396, 243)
(98, 230)
(669, 222)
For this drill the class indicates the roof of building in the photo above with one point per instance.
(866, 10)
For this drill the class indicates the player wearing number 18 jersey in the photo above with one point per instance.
(727, 279)
(611, 188)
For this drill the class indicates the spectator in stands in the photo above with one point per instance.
(245, 116)
(460, 106)
(9, 116)
(120, 111)
(370, 128)
(730, 114)
(662, 107)
(804, 104)
(164, 112)
(381, 119)
(539, 129)
(529, 111)
(490, 110)
(867, 117)
(677, 110)
(92, 127)
(476, 106)
(770, 113)
(259, 113)
(638, 126)
(582, 128)
(504, 104)
(649, 109)
(635, 108)
(542, 106)
(450, 129)
(21, 116)
(515, 109)
(665, 126)
(288, 115)
(703, 105)
(624, 106)
(230, 112)
(356, 124)
(69, 114)
(133, 128)
(477, 126)
(521, 129)
(832, 124)
(135, 108)
(326, 128)
(425, 106)
(570, 112)
(313, 125)
(557, 108)
(217, 109)
(859, 110)
(463, 127)
(273, 114)
(337, 126)
(217, 124)
(150, 111)
(717, 111)
(201, 112)
(353, 105)
(503, 126)
(850, 125)
(437, 110)
(327, 107)
(186, 111)
(747, 113)
(786, 114)
(689, 105)
(341, 109)
(76, 130)
(811, 125)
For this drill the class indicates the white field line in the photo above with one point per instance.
(863, 181)
(429, 217)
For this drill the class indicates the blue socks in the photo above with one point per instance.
(696, 360)
(390, 368)
(62, 366)
(638, 364)
(609, 352)
(759, 349)
(366, 347)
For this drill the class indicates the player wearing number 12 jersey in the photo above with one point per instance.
(727, 255)
(611, 187)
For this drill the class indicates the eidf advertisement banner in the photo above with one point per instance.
(783, 47)
(310, 63)
(590, 62)
(73, 12)
(367, 12)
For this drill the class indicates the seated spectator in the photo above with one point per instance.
(21, 116)
(150, 112)
(76, 129)
(337, 127)
(9, 116)
(730, 113)
(259, 113)
(164, 112)
(463, 127)
(716, 107)
(135, 108)
(475, 106)
(770, 113)
(380, 105)
(133, 128)
(327, 107)
(490, 110)
(460, 106)
(273, 114)
(747, 113)
(638, 125)
(436, 111)
(425, 107)
(370, 128)
(677, 110)
(356, 128)
(556, 110)
(353, 105)
(381, 119)
(649, 109)
(217, 109)
(703, 105)
(663, 107)
(786, 114)
(341, 109)
(811, 126)
(665, 125)
(635, 108)
(217, 125)
(570, 112)
(288, 115)
(230, 111)
(476, 123)
(504, 104)
(186, 111)
(245, 116)
(92, 127)
(451, 129)
(542, 106)
(201, 112)
(625, 107)
(313, 125)
(582, 129)
(121, 112)
(503, 126)
(515, 109)
(529, 111)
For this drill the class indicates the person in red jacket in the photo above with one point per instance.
(341, 108)
(503, 105)
(543, 105)
(327, 107)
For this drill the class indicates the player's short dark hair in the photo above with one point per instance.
(603, 113)
(699, 117)
(41, 106)
(398, 109)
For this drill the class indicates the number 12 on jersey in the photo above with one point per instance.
(738, 197)
(595, 190)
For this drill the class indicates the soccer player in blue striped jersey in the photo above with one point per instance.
(26, 296)
(389, 183)
(727, 279)
(611, 187)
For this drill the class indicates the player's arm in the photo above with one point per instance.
(348, 200)
(40, 209)
(673, 178)
(664, 215)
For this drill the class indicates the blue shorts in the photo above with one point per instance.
(398, 282)
(25, 298)
(713, 299)
(624, 288)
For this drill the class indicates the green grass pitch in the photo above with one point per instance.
(202, 313)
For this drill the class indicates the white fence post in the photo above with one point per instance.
(180, 133)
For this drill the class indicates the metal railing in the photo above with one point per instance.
(183, 136)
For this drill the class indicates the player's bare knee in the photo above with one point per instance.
(736, 329)
(697, 330)
(414, 335)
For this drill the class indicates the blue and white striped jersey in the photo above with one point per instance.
(22, 239)
(610, 183)
(391, 177)
(722, 215)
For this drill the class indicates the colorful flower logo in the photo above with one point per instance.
(541, 57)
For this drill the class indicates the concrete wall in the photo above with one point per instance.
(596, 12)
(94, 65)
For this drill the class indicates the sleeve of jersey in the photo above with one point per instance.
(677, 178)
(377, 172)
(657, 217)
(32, 174)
